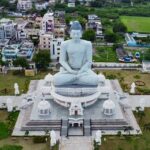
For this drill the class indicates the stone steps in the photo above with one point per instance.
(64, 128)
(108, 127)
(87, 127)
(109, 123)
(37, 123)
(39, 128)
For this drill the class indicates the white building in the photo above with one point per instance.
(48, 22)
(7, 29)
(9, 52)
(22, 35)
(94, 23)
(41, 6)
(24, 5)
(55, 48)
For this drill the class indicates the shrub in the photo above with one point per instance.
(96, 146)
(111, 76)
(143, 90)
(119, 133)
(39, 139)
(18, 72)
(137, 76)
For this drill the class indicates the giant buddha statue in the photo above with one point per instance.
(76, 60)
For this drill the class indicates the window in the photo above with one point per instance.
(53, 49)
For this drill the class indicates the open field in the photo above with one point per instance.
(5, 139)
(105, 54)
(26, 143)
(141, 142)
(7, 81)
(136, 24)
(127, 77)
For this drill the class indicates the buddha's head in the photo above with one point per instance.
(76, 30)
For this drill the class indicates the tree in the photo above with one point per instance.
(147, 55)
(119, 27)
(42, 59)
(4, 3)
(21, 62)
(89, 35)
(111, 37)
(82, 21)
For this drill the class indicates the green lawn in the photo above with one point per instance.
(126, 78)
(7, 81)
(141, 142)
(136, 24)
(4, 132)
(11, 147)
(105, 54)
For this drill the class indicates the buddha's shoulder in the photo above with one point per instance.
(88, 43)
(66, 42)
(84, 42)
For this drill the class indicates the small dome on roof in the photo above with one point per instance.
(44, 108)
(109, 107)
(48, 77)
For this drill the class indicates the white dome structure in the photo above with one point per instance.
(44, 108)
(109, 107)
(48, 78)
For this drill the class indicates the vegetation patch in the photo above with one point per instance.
(141, 142)
(4, 132)
(39, 139)
(105, 54)
(136, 24)
(11, 147)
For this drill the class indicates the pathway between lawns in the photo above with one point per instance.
(76, 143)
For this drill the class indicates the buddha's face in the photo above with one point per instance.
(76, 34)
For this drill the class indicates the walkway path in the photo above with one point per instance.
(76, 143)
(135, 100)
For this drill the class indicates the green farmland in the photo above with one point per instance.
(136, 24)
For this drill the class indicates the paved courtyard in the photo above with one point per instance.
(76, 143)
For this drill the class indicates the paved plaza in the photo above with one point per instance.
(76, 143)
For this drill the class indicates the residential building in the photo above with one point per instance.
(3, 43)
(59, 24)
(41, 6)
(26, 50)
(71, 3)
(7, 29)
(55, 48)
(9, 52)
(94, 23)
(48, 22)
(22, 35)
(38, 21)
(45, 40)
(24, 5)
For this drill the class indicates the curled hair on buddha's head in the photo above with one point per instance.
(75, 25)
